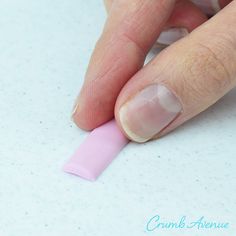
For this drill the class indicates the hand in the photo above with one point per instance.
(182, 81)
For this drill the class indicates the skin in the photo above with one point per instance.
(199, 69)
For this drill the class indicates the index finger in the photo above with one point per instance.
(131, 29)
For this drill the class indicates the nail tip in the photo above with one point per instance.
(172, 35)
(74, 109)
(134, 137)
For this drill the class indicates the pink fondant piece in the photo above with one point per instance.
(98, 150)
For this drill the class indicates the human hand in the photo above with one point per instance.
(182, 81)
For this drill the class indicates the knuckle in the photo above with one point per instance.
(209, 67)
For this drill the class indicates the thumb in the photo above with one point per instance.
(182, 81)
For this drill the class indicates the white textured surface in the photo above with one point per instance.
(44, 49)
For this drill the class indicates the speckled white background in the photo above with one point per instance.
(44, 50)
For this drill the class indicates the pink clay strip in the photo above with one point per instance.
(98, 150)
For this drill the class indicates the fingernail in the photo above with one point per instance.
(76, 104)
(215, 5)
(150, 111)
(74, 109)
(172, 35)
(210, 7)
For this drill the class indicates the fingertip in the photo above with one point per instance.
(76, 118)
(93, 109)
(90, 119)
(186, 14)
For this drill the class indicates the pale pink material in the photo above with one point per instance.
(98, 150)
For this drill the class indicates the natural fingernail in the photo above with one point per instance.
(172, 35)
(210, 7)
(148, 112)
(74, 109)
